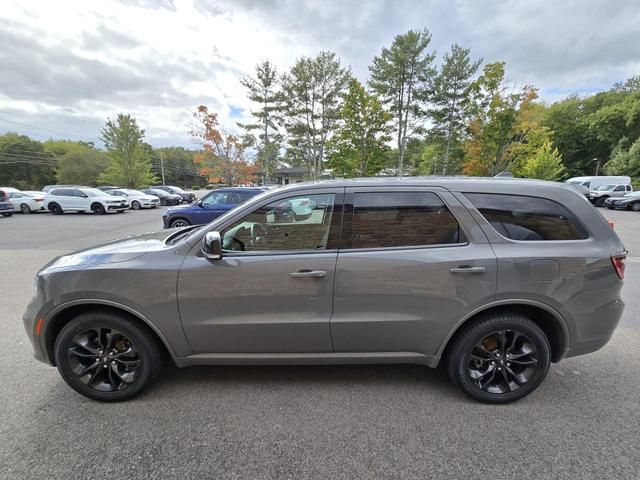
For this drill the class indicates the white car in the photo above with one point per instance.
(135, 198)
(26, 201)
(83, 199)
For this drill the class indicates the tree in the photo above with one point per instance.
(545, 164)
(78, 162)
(223, 159)
(24, 164)
(130, 161)
(452, 91)
(625, 162)
(312, 90)
(495, 129)
(360, 143)
(263, 134)
(402, 75)
(179, 166)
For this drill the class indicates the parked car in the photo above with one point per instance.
(135, 198)
(6, 208)
(630, 201)
(586, 184)
(106, 188)
(27, 201)
(83, 199)
(187, 197)
(48, 188)
(598, 195)
(210, 207)
(165, 198)
(402, 270)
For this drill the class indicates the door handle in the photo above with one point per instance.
(467, 269)
(305, 273)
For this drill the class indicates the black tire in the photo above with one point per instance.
(515, 381)
(55, 209)
(136, 205)
(26, 209)
(106, 382)
(179, 223)
(163, 202)
(635, 206)
(600, 201)
(98, 209)
(7, 214)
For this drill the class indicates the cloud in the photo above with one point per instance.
(68, 69)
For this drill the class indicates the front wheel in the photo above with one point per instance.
(107, 357)
(136, 205)
(500, 358)
(98, 209)
(179, 223)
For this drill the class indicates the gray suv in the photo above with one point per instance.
(493, 278)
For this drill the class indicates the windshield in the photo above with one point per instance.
(605, 187)
(177, 189)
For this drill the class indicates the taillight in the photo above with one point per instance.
(611, 224)
(618, 264)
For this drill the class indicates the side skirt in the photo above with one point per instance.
(306, 358)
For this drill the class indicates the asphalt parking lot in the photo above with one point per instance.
(339, 422)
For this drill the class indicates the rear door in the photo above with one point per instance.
(412, 264)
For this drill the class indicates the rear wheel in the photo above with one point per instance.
(55, 209)
(107, 357)
(500, 358)
(136, 205)
(26, 209)
(179, 223)
(98, 209)
(635, 206)
(7, 214)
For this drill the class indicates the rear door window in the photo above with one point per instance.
(402, 219)
(520, 217)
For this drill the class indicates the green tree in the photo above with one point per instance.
(545, 164)
(312, 91)
(625, 162)
(130, 161)
(24, 164)
(179, 166)
(359, 146)
(451, 106)
(78, 162)
(263, 134)
(402, 75)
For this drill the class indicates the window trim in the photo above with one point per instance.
(574, 218)
(347, 229)
(336, 222)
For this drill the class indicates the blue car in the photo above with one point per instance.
(210, 207)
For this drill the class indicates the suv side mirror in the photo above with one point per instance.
(212, 246)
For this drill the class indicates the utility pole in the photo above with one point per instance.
(162, 167)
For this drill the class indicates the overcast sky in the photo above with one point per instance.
(65, 66)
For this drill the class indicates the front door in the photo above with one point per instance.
(272, 291)
(409, 270)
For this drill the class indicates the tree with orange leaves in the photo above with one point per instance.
(223, 159)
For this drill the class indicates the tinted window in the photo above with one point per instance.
(78, 193)
(296, 223)
(63, 192)
(401, 219)
(527, 218)
(619, 188)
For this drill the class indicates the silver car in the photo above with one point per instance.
(493, 278)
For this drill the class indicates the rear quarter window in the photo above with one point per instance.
(520, 217)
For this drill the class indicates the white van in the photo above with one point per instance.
(586, 184)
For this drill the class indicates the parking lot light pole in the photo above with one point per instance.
(162, 167)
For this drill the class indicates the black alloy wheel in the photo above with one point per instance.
(499, 358)
(108, 356)
(55, 209)
(98, 209)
